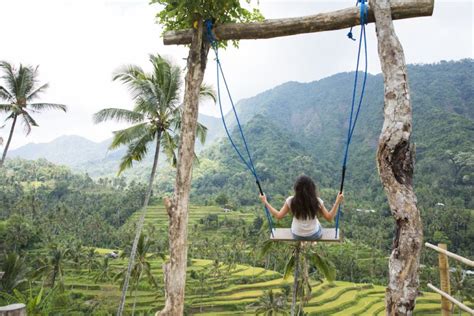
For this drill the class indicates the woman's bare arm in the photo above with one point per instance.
(329, 215)
(278, 214)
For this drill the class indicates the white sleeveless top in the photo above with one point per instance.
(302, 227)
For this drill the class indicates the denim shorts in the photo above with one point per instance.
(317, 235)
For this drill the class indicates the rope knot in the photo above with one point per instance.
(350, 36)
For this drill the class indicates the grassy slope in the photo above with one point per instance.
(224, 297)
(221, 293)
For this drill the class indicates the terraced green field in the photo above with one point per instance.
(221, 293)
(157, 216)
(224, 290)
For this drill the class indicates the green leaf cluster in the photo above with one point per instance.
(181, 14)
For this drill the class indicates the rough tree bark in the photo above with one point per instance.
(177, 207)
(395, 160)
(340, 19)
(296, 276)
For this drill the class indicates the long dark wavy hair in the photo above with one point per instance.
(305, 203)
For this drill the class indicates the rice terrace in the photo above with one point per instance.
(225, 157)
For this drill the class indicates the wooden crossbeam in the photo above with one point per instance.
(450, 254)
(451, 299)
(336, 20)
(284, 234)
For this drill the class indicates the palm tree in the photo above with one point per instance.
(271, 304)
(141, 267)
(157, 112)
(51, 267)
(90, 259)
(15, 272)
(20, 89)
(104, 272)
(156, 117)
(302, 255)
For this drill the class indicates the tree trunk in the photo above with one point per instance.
(295, 281)
(135, 294)
(12, 129)
(141, 220)
(177, 208)
(328, 21)
(396, 160)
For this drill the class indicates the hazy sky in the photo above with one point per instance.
(79, 43)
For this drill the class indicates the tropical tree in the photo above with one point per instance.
(90, 259)
(176, 15)
(51, 266)
(271, 304)
(14, 269)
(141, 267)
(301, 258)
(462, 287)
(156, 117)
(20, 88)
(104, 271)
(36, 302)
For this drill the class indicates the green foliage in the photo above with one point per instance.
(156, 114)
(181, 14)
(15, 270)
(271, 303)
(20, 88)
(47, 203)
(19, 232)
(35, 301)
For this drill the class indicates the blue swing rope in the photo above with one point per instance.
(352, 123)
(248, 163)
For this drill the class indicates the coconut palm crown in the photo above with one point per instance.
(156, 114)
(20, 88)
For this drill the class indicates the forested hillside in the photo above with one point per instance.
(58, 216)
(95, 158)
(41, 202)
(300, 128)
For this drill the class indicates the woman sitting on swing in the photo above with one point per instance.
(305, 205)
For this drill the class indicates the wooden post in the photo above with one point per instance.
(295, 281)
(13, 310)
(444, 280)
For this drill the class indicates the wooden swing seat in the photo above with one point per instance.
(284, 234)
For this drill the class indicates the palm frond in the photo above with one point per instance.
(5, 95)
(134, 78)
(324, 265)
(289, 266)
(207, 92)
(170, 145)
(136, 151)
(119, 115)
(201, 132)
(266, 247)
(126, 136)
(5, 107)
(48, 106)
(28, 121)
(26, 81)
(9, 77)
(35, 93)
(128, 73)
